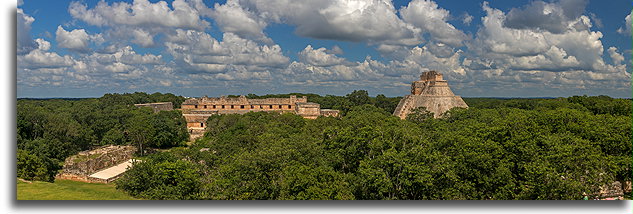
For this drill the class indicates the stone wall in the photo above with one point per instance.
(329, 113)
(431, 92)
(308, 110)
(165, 106)
(610, 191)
(242, 103)
(79, 167)
(196, 120)
(197, 110)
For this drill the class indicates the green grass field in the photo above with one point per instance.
(69, 190)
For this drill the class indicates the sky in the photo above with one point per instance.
(194, 48)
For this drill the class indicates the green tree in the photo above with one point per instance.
(140, 131)
(162, 178)
(419, 114)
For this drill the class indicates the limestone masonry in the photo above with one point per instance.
(82, 166)
(431, 92)
(197, 110)
(166, 106)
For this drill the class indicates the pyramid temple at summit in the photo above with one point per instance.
(431, 92)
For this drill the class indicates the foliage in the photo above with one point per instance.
(519, 149)
(498, 149)
(343, 103)
(419, 114)
(32, 167)
(162, 178)
(49, 131)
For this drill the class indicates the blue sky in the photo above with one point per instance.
(197, 47)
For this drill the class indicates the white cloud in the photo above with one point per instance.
(165, 82)
(43, 44)
(142, 38)
(596, 20)
(335, 50)
(427, 16)
(532, 48)
(533, 57)
(122, 60)
(76, 40)
(141, 13)
(140, 21)
(555, 17)
(318, 68)
(231, 17)
(448, 62)
(199, 52)
(467, 18)
(507, 55)
(319, 57)
(106, 70)
(627, 27)
(372, 21)
(616, 57)
(24, 41)
(40, 58)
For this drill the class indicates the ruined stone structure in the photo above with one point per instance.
(197, 110)
(431, 92)
(82, 166)
(165, 106)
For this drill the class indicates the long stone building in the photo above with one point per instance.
(197, 110)
(431, 92)
(164, 106)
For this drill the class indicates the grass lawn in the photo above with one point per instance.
(69, 190)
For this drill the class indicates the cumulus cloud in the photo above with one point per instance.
(533, 56)
(318, 68)
(24, 41)
(372, 21)
(533, 49)
(141, 20)
(616, 57)
(42, 68)
(554, 17)
(319, 57)
(140, 13)
(199, 52)
(119, 68)
(41, 58)
(76, 40)
(231, 17)
(298, 72)
(427, 16)
(437, 57)
(335, 50)
(43, 44)
(142, 38)
(512, 52)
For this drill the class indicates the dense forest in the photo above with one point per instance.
(497, 149)
(49, 131)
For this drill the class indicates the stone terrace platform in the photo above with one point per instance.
(110, 174)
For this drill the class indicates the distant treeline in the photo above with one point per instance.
(50, 130)
(497, 149)
(596, 105)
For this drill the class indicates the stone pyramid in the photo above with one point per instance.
(431, 92)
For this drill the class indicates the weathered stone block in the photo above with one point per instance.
(431, 92)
